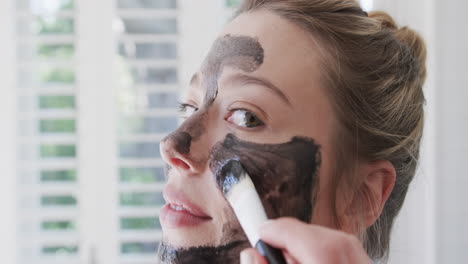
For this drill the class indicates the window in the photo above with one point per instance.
(146, 53)
(61, 127)
(48, 171)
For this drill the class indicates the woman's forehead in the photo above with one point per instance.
(291, 56)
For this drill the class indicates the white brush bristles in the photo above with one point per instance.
(248, 208)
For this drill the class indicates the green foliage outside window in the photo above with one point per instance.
(56, 51)
(60, 250)
(58, 225)
(60, 200)
(55, 26)
(57, 126)
(139, 223)
(58, 176)
(141, 175)
(233, 3)
(60, 76)
(56, 102)
(57, 151)
(67, 5)
(138, 247)
(141, 199)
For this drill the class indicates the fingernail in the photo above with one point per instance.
(247, 257)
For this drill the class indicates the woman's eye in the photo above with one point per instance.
(186, 110)
(244, 118)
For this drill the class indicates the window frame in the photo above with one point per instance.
(8, 201)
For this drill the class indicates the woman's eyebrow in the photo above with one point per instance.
(248, 79)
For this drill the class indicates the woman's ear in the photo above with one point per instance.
(367, 200)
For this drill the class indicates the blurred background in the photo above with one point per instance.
(88, 89)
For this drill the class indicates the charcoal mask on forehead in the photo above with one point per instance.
(285, 174)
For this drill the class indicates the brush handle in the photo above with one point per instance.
(271, 254)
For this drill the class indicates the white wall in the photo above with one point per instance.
(452, 129)
(7, 133)
(432, 225)
(197, 32)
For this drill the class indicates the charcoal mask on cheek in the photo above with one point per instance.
(284, 174)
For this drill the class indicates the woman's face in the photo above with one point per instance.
(258, 97)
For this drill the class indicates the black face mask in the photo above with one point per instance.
(285, 175)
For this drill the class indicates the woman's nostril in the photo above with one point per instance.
(180, 163)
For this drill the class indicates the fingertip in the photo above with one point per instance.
(267, 224)
(251, 256)
(272, 225)
(247, 256)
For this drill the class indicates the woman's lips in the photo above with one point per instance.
(179, 211)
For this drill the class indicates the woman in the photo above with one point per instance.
(323, 104)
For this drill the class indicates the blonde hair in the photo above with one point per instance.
(374, 76)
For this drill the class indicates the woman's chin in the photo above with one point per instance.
(182, 229)
(202, 235)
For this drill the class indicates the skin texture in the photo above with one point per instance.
(283, 163)
(246, 54)
(241, 52)
(284, 90)
(305, 243)
(292, 165)
(221, 254)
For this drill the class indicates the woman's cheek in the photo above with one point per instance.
(285, 175)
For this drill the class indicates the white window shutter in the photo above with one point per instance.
(96, 85)
(47, 171)
(8, 197)
(147, 34)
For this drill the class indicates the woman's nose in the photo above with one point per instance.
(176, 151)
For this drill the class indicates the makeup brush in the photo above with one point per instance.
(241, 194)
